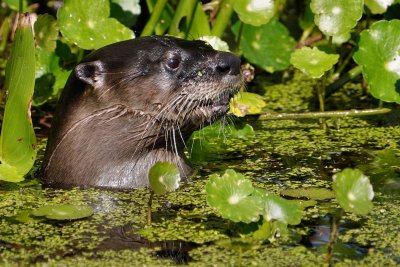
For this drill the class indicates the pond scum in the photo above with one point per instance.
(185, 230)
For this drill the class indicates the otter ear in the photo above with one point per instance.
(91, 73)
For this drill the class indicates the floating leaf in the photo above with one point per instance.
(336, 17)
(46, 32)
(164, 177)
(310, 193)
(378, 6)
(277, 208)
(268, 46)
(18, 140)
(64, 211)
(87, 24)
(379, 55)
(353, 191)
(245, 103)
(255, 12)
(216, 43)
(312, 61)
(230, 194)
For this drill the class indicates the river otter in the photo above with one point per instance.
(133, 103)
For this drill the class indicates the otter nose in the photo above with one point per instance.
(228, 64)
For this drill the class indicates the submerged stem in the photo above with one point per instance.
(333, 237)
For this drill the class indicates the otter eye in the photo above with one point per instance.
(173, 62)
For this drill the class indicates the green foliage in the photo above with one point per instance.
(309, 192)
(379, 55)
(164, 177)
(268, 46)
(88, 25)
(46, 32)
(18, 140)
(378, 6)
(255, 12)
(63, 212)
(312, 61)
(246, 103)
(353, 191)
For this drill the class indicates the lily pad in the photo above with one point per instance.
(164, 177)
(313, 61)
(378, 6)
(46, 32)
(255, 12)
(245, 103)
(280, 209)
(336, 17)
(230, 194)
(268, 46)
(379, 55)
(64, 212)
(310, 193)
(87, 24)
(353, 191)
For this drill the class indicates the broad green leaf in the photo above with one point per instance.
(46, 32)
(126, 11)
(312, 61)
(64, 211)
(353, 191)
(199, 26)
(255, 12)
(10, 173)
(379, 55)
(378, 6)
(280, 209)
(310, 193)
(87, 24)
(245, 103)
(336, 17)
(268, 46)
(164, 177)
(230, 194)
(216, 43)
(18, 140)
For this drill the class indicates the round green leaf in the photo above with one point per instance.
(280, 209)
(379, 55)
(245, 103)
(64, 211)
(312, 61)
(46, 32)
(255, 12)
(353, 191)
(336, 17)
(310, 193)
(87, 24)
(164, 177)
(230, 194)
(268, 46)
(378, 6)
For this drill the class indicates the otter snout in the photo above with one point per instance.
(227, 63)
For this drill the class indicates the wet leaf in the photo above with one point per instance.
(216, 43)
(310, 193)
(353, 191)
(255, 12)
(87, 24)
(18, 140)
(378, 6)
(336, 17)
(64, 211)
(230, 194)
(379, 55)
(312, 61)
(164, 177)
(46, 32)
(280, 209)
(245, 103)
(268, 46)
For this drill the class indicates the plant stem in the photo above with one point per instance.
(154, 18)
(223, 17)
(149, 214)
(239, 37)
(181, 11)
(325, 114)
(333, 237)
(350, 75)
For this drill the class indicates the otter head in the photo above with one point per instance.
(133, 103)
